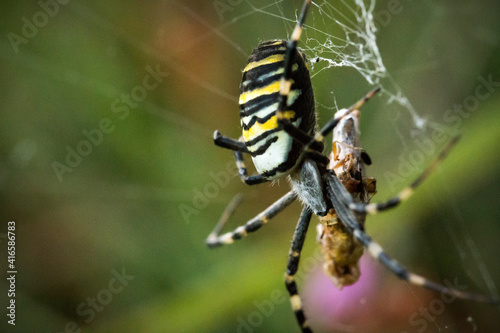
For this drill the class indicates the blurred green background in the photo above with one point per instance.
(132, 205)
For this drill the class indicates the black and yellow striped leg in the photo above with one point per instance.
(286, 82)
(215, 239)
(239, 148)
(242, 171)
(316, 142)
(349, 220)
(240, 164)
(373, 208)
(395, 267)
(330, 125)
(293, 265)
(311, 144)
(226, 215)
(298, 135)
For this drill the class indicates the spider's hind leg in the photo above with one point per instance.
(293, 265)
(216, 239)
(376, 251)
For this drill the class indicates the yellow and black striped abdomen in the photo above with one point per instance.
(274, 152)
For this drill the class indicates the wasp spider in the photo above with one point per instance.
(279, 133)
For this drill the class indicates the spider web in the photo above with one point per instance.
(358, 49)
(344, 34)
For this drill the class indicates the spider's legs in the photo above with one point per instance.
(314, 144)
(347, 217)
(373, 208)
(330, 125)
(242, 171)
(228, 143)
(310, 146)
(239, 148)
(292, 266)
(395, 267)
(286, 85)
(215, 239)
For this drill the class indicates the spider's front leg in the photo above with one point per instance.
(314, 145)
(374, 208)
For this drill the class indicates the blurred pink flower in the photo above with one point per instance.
(328, 305)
